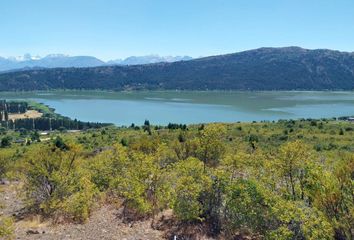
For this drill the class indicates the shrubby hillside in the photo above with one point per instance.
(283, 180)
(290, 68)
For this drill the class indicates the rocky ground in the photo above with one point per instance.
(104, 223)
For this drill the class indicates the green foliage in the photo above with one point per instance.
(211, 146)
(59, 143)
(35, 136)
(80, 201)
(341, 132)
(56, 183)
(294, 167)
(5, 161)
(333, 195)
(294, 220)
(250, 206)
(186, 206)
(105, 166)
(6, 228)
(190, 184)
(147, 190)
(246, 207)
(5, 142)
(146, 144)
(205, 173)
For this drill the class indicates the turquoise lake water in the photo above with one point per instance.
(163, 107)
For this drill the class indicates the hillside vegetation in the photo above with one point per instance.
(282, 180)
(289, 68)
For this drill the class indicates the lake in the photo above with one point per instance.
(163, 107)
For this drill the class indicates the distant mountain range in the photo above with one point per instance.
(290, 68)
(64, 61)
(148, 60)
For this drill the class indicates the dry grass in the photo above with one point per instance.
(27, 114)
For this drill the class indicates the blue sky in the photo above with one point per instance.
(111, 29)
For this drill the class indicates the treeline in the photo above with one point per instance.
(49, 124)
(7, 108)
(49, 121)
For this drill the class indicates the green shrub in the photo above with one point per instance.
(142, 182)
(78, 205)
(245, 208)
(294, 220)
(191, 182)
(253, 208)
(5, 142)
(186, 206)
(57, 183)
(6, 228)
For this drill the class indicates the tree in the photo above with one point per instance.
(146, 122)
(235, 164)
(191, 182)
(251, 207)
(211, 147)
(6, 116)
(294, 163)
(6, 141)
(332, 193)
(253, 139)
(35, 136)
(59, 143)
(246, 208)
(146, 144)
(187, 207)
(296, 220)
(145, 191)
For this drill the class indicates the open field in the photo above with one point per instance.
(27, 114)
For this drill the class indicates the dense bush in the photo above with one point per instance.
(191, 183)
(57, 184)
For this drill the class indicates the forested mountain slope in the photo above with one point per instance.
(290, 68)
